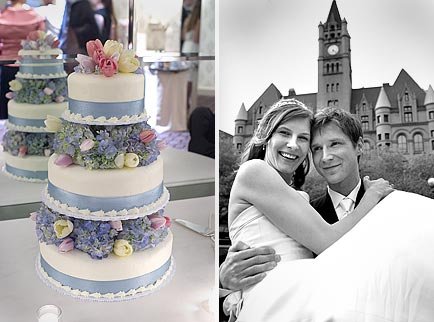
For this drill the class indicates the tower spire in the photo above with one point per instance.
(334, 15)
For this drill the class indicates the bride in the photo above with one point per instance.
(267, 208)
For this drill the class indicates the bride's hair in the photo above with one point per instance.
(280, 112)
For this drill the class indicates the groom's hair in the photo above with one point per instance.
(347, 122)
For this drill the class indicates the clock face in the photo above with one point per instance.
(333, 49)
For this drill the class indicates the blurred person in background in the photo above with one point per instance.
(105, 19)
(16, 21)
(78, 27)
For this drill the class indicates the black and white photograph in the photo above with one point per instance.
(326, 160)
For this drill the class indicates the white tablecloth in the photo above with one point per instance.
(185, 298)
(166, 99)
(181, 168)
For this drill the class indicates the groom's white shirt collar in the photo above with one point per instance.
(337, 197)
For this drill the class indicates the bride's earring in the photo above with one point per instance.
(263, 147)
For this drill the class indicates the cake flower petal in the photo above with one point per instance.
(47, 152)
(86, 63)
(86, 145)
(15, 85)
(63, 228)
(128, 63)
(168, 222)
(131, 160)
(10, 95)
(63, 160)
(122, 248)
(112, 47)
(92, 46)
(120, 160)
(33, 215)
(22, 151)
(48, 91)
(108, 66)
(158, 222)
(147, 136)
(116, 225)
(60, 99)
(53, 124)
(66, 245)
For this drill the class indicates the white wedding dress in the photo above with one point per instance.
(382, 270)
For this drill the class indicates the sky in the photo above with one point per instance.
(276, 41)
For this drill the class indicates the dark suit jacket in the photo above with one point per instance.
(325, 208)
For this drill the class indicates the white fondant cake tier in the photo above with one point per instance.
(33, 115)
(121, 87)
(105, 193)
(107, 183)
(80, 265)
(113, 278)
(27, 168)
(97, 99)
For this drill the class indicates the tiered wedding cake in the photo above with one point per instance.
(39, 89)
(102, 230)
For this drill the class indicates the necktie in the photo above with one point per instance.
(346, 204)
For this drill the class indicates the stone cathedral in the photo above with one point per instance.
(399, 117)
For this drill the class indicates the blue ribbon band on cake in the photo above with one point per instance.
(108, 110)
(41, 175)
(42, 70)
(104, 287)
(25, 122)
(105, 203)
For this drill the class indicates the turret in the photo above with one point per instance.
(382, 119)
(429, 105)
(240, 129)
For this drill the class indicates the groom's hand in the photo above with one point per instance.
(245, 266)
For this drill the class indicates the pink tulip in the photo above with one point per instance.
(86, 145)
(97, 56)
(33, 215)
(157, 221)
(93, 45)
(10, 95)
(55, 43)
(116, 225)
(22, 151)
(63, 160)
(66, 245)
(108, 66)
(60, 99)
(48, 91)
(147, 136)
(168, 221)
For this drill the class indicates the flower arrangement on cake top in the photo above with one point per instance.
(107, 59)
(40, 40)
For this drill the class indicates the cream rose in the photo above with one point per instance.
(53, 124)
(15, 85)
(63, 228)
(112, 47)
(131, 160)
(128, 63)
(122, 248)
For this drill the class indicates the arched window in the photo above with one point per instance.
(333, 68)
(327, 88)
(337, 87)
(333, 87)
(364, 107)
(402, 143)
(337, 69)
(366, 146)
(418, 143)
(328, 68)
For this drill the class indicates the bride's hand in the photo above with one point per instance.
(378, 188)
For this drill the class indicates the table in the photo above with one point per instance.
(185, 298)
(186, 175)
(166, 99)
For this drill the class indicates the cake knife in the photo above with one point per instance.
(204, 231)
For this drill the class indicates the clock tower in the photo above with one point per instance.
(334, 62)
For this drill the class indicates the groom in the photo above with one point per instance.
(337, 142)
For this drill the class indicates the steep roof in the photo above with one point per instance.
(429, 97)
(371, 94)
(382, 100)
(308, 99)
(268, 97)
(402, 81)
(334, 15)
(242, 113)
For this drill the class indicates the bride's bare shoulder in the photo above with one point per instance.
(255, 170)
